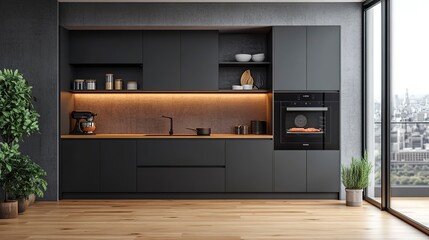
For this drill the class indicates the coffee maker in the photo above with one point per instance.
(84, 123)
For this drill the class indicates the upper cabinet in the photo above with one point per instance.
(199, 60)
(105, 47)
(290, 58)
(180, 60)
(323, 58)
(306, 58)
(161, 60)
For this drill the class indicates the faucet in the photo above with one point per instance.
(171, 124)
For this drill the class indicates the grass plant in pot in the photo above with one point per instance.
(18, 118)
(355, 178)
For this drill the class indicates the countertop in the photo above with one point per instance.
(149, 136)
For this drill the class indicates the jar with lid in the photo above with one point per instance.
(118, 84)
(109, 81)
(132, 85)
(91, 84)
(78, 84)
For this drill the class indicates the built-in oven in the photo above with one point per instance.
(306, 121)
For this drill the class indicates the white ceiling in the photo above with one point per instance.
(202, 1)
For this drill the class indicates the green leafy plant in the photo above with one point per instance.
(25, 179)
(356, 176)
(8, 153)
(18, 118)
(17, 114)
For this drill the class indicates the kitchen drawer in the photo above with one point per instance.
(181, 152)
(182, 179)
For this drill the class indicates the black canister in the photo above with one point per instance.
(259, 127)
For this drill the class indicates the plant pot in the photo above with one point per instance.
(354, 197)
(22, 205)
(31, 198)
(8, 209)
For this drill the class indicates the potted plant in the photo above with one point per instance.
(25, 179)
(8, 152)
(355, 178)
(17, 118)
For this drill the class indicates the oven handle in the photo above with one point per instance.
(294, 109)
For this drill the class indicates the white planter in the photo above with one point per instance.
(354, 197)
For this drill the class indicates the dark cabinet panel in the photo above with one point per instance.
(117, 165)
(80, 166)
(170, 179)
(105, 47)
(323, 58)
(199, 60)
(323, 171)
(289, 58)
(290, 171)
(181, 152)
(249, 166)
(161, 59)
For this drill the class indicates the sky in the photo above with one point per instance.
(410, 46)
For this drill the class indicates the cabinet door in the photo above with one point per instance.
(181, 152)
(290, 171)
(105, 47)
(199, 64)
(323, 171)
(118, 165)
(161, 60)
(289, 58)
(323, 58)
(80, 165)
(249, 166)
(183, 179)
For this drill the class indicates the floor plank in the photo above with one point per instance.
(205, 219)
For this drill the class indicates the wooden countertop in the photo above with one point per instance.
(149, 136)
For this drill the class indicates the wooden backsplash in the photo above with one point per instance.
(141, 113)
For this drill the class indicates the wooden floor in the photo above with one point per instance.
(416, 208)
(205, 219)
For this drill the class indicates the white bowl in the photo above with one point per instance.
(258, 57)
(243, 57)
(237, 87)
(247, 86)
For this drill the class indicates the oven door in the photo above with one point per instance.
(314, 127)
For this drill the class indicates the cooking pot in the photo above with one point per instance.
(201, 131)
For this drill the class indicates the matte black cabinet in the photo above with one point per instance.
(101, 47)
(184, 179)
(306, 58)
(199, 60)
(180, 60)
(181, 152)
(249, 165)
(80, 166)
(98, 165)
(323, 58)
(290, 171)
(117, 165)
(323, 171)
(307, 171)
(161, 59)
(290, 58)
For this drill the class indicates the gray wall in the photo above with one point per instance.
(347, 15)
(28, 42)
